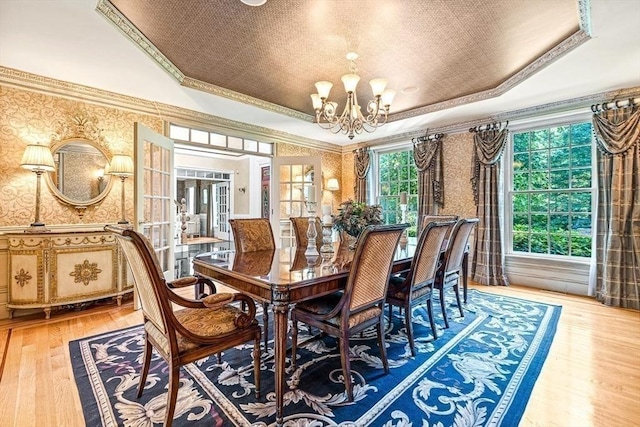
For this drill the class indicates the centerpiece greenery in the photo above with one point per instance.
(353, 217)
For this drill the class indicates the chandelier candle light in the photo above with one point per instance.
(352, 121)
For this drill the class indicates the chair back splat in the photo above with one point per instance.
(200, 328)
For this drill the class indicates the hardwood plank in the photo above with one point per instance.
(591, 376)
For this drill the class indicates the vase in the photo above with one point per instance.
(349, 240)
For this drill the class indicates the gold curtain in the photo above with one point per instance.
(488, 262)
(362, 163)
(617, 135)
(427, 156)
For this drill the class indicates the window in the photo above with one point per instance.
(551, 194)
(397, 173)
(211, 139)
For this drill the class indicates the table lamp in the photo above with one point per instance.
(38, 159)
(121, 165)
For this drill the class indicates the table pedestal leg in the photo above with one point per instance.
(280, 319)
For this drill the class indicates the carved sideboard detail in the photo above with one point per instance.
(53, 269)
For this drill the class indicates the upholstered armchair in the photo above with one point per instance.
(253, 235)
(199, 329)
(361, 305)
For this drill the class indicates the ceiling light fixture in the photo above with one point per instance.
(351, 121)
(254, 2)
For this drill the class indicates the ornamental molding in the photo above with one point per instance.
(85, 273)
(563, 47)
(22, 277)
(113, 15)
(245, 99)
(168, 113)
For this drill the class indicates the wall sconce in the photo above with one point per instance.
(38, 159)
(121, 165)
(242, 189)
(332, 185)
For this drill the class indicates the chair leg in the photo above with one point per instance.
(294, 341)
(444, 310)
(431, 322)
(148, 349)
(346, 365)
(265, 323)
(256, 364)
(409, 327)
(455, 288)
(172, 396)
(382, 345)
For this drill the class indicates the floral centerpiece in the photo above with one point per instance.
(353, 217)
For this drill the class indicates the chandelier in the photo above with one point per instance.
(352, 121)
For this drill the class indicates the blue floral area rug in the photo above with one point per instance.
(479, 372)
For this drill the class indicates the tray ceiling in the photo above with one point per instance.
(434, 53)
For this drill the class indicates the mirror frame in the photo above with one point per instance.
(80, 205)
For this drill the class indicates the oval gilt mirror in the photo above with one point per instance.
(79, 179)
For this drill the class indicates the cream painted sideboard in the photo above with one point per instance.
(60, 268)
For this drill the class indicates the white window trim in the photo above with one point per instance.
(551, 272)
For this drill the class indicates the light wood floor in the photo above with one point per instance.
(591, 376)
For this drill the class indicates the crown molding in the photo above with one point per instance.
(568, 44)
(573, 104)
(166, 112)
(113, 15)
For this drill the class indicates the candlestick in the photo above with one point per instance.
(403, 211)
(326, 250)
(312, 251)
(311, 198)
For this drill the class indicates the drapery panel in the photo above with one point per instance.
(362, 164)
(488, 263)
(427, 156)
(617, 134)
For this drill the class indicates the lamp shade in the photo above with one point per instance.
(332, 184)
(37, 157)
(121, 165)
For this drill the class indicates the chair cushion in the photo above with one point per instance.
(323, 305)
(395, 289)
(201, 321)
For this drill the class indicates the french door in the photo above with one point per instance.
(295, 180)
(155, 194)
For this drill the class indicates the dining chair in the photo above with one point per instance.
(417, 287)
(361, 304)
(252, 235)
(300, 227)
(451, 268)
(199, 329)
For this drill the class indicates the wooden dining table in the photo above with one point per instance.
(282, 278)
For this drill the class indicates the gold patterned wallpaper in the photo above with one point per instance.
(458, 197)
(28, 117)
